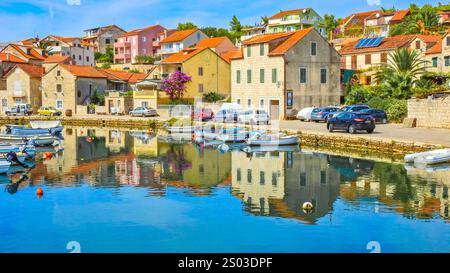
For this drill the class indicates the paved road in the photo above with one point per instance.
(383, 131)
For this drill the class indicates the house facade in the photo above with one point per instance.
(438, 56)
(29, 54)
(67, 86)
(209, 71)
(180, 40)
(284, 72)
(103, 37)
(365, 60)
(293, 20)
(379, 23)
(137, 42)
(81, 52)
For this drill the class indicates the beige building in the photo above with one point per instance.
(438, 56)
(103, 37)
(67, 86)
(366, 58)
(81, 52)
(24, 86)
(282, 72)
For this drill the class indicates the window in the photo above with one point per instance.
(261, 50)
(249, 76)
(274, 178)
(107, 41)
(447, 60)
(448, 40)
(59, 104)
(354, 62)
(323, 177)
(261, 76)
(249, 175)
(59, 88)
(74, 57)
(262, 179)
(238, 174)
(261, 103)
(238, 101)
(144, 104)
(384, 58)
(18, 85)
(200, 88)
(249, 103)
(200, 71)
(434, 61)
(302, 75)
(274, 75)
(87, 58)
(313, 48)
(323, 75)
(80, 58)
(302, 179)
(238, 76)
(368, 59)
(144, 39)
(249, 51)
(417, 44)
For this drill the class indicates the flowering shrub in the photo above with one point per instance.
(175, 85)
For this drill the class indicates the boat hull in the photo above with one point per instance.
(284, 141)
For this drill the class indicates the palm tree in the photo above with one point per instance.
(427, 21)
(45, 47)
(402, 71)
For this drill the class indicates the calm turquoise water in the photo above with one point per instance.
(113, 191)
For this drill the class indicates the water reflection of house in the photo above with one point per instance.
(144, 144)
(186, 165)
(117, 140)
(277, 184)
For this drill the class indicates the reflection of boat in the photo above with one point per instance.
(430, 157)
(176, 138)
(181, 129)
(22, 157)
(285, 148)
(37, 127)
(4, 166)
(433, 168)
(38, 140)
(29, 149)
(261, 139)
(233, 136)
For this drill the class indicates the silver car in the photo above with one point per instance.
(143, 112)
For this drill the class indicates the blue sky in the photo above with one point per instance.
(21, 19)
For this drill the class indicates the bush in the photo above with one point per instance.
(378, 103)
(358, 94)
(397, 110)
(213, 97)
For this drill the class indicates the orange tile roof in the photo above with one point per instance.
(227, 56)
(34, 55)
(399, 16)
(290, 42)
(56, 59)
(8, 57)
(137, 77)
(34, 71)
(179, 35)
(83, 71)
(183, 55)
(282, 13)
(139, 30)
(265, 38)
(436, 49)
(359, 15)
(211, 42)
(122, 75)
(389, 43)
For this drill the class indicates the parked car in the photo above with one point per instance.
(379, 115)
(321, 114)
(254, 117)
(203, 114)
(143, 112)
(48, 111)
(351, 108)
(226, 116)
(351, 122)
(21, 109)
(305, 114)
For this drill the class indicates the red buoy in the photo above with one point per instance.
(40, 193)
(48, 155)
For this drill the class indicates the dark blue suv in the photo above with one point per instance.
(379, 115)
(351, 122)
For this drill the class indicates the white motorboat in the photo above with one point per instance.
(260, 139)
(264, 149)
(4, 166)
(430, 157)
(237, 136)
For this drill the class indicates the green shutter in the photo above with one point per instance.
(274, 75)
(249, 51)
(261, 75)
(249, 76)
(238, 76)
(261, 49)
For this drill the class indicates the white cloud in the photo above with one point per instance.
(73, 2)
(374, 2)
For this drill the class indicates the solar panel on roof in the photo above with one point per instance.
(358, 45)
(366, 42)
(371, 42)
(378, 41)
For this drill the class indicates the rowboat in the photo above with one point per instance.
(37, 127)
(29, 149)
(4, 166)
(36, 140)
(260, 139)
(430, 157)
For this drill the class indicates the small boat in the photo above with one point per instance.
(36, 140)
(4, 166)
(263, 149)
(259, 139)
(237, 136)
(430, 157)
(29, 149)
(37, 127)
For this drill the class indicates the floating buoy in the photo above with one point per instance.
(307, 207)
(48, 155)
(40, 193)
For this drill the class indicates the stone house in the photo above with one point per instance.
(81, 52)
(103, 37)
(67, 86)
(284, 72)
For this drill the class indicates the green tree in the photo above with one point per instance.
(330, 22)
(217, 32)
(236, 27)
(144, 59)
(265, 20)
(107, 57)
(45, 47)
(186, 26)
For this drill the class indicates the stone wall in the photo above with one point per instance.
(431, 112)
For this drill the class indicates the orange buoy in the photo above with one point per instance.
(48, 155)
(40, 192)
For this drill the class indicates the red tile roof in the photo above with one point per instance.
(180, 35)
(35, 71)
(290, 42)
(8, 57)
(183, 55)
(399, 16)
(436, 49)
(211, 42)
(265, 38)
(227, 56)
(139, 30)
(56, 59)
(284, 13)
(122, 75)
(33, 54)
(360, 15)
(83, 71)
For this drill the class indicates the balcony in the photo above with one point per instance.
(122, 56)
(122, 44)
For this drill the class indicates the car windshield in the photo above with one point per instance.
(365, 110)
(317, 110)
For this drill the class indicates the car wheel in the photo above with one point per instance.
(370, 131)
(352, 129)
(330, 128)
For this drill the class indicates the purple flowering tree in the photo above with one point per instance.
(175, 85)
